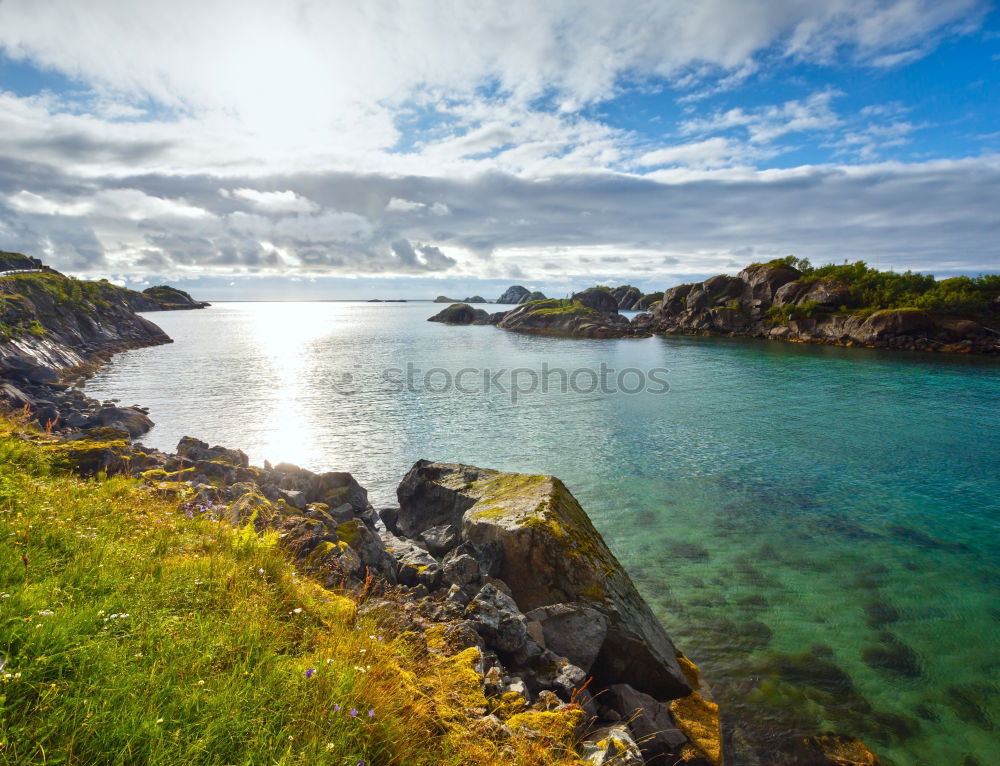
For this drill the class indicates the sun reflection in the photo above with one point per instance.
(286, 335)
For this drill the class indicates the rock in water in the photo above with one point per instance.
(551, 555)
(461, 313)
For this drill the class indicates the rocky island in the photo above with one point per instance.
(786, 299)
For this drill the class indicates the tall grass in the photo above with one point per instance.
(131, 633)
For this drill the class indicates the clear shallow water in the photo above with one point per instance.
(778, 500)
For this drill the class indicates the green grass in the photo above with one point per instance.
(560, 307)
(133, 634)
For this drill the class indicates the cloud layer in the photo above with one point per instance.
(468, 140)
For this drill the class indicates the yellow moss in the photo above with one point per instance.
(348, 531)
(560, 725)
(435, 638)
(698, 719)
(460, 686)
(509, 704)
(690, 670)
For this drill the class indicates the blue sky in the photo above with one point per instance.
(359, 149)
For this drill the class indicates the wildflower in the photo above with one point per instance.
(371, 713)
(354, 712)
(336, 708)
(260, 571)
(309, 672)
(297, 610)
(329, 660)
(201, 683)
(331, 746)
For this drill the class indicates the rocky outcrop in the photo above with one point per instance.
(626, 296)
(49, 323)
(777, 302)
(571, 318)
(516, 294)
(552, 556)
(543, 591)
(461, 313)
(165, 298)
(598, 299)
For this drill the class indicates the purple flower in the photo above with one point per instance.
(336, 708)
(309, 672)
(190, 513)
(371, 713)
(354, 712)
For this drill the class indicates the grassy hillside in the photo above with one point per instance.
(136, 630)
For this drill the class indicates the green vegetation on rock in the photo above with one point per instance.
(873, 290)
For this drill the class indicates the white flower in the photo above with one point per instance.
(297, 610)
(45, 613)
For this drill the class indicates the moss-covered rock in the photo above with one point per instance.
(551, 555)
(460, 313)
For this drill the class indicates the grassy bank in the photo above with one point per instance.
(135, 631)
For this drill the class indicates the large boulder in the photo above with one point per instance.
(764, 280)
(891, 323)
(597, 299)
(827, 293)
(552, 555)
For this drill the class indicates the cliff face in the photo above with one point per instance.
(767, 301)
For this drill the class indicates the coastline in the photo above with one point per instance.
(449, 582)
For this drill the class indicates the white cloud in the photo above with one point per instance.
(397, 205)
(278, 201)
(771, 122)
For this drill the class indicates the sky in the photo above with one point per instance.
(411, 148)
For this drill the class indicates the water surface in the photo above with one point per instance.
(817, 527)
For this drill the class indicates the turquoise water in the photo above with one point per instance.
(817, 527)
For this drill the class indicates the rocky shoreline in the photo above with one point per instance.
(507, 564)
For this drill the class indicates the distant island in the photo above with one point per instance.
(787, 299)
(473, 299)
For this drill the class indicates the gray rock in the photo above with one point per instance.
(514, 294)
(597, 299)
(498, 620)
(552, 555)
(440, 539)
(574, 631)
(650, 721)
(462, 571)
